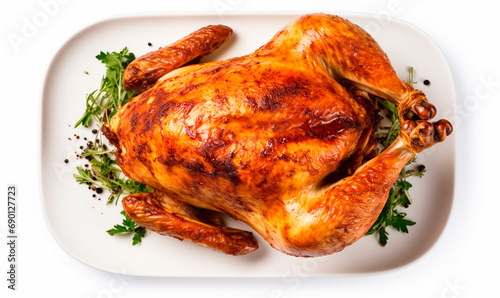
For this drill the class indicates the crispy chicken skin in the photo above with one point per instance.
(281, 139)
(142, 73)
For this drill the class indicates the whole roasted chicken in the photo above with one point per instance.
(281, 139)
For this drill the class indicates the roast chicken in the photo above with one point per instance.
(282, 139)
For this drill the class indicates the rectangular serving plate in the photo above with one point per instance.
(79, 222)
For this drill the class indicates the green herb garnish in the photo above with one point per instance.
(129, 226)
(399, 197)
(104, 172)
(104, 175)
(387, 135)
(105, 102)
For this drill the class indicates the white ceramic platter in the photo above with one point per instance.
(78, 222)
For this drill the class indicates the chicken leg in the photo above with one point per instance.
(338, 215)
(157, 212)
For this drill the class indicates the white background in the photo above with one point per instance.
(464, 262)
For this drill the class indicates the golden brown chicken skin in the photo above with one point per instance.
(281, 139)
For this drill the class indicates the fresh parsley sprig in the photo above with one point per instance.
(105, 102)
(129, 226)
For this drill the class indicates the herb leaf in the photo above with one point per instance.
(129, 226)
(399, 195)
(101, 105)
(105, 172)
(105, 102)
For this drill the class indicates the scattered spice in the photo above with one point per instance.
(102, 171)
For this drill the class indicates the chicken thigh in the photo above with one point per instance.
(281, 139)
